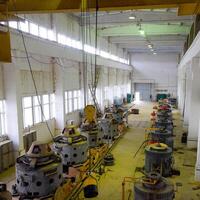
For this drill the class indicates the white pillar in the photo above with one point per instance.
(197, 167)
(194, 107)
(59, 98)
(187, 94)
(14, 107)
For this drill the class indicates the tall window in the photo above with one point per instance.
(75, 100)
(43, 32)
(46, 107)
(2, 118)
(68, 101)
(72, 101)
(80, 105)
(24, 26)
(34, 29)
(106, 91)
(32, 111)
(37, 109)
(28, 111)
(52, 106)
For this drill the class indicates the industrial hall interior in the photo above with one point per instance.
(100, 99)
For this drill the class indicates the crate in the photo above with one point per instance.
(6, 155)
(28, 139)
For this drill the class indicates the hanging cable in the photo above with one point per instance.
(33, 79)
(96, 39)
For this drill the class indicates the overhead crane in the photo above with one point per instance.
(9, 8)
(186, 7)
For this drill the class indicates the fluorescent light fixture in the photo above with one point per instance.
(132, 17)
(142, 32)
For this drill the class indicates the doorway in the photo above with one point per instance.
(144, 89)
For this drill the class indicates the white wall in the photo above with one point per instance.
(189, 96)
(69, 76)
(160, 70)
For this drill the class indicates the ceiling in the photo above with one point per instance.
(162, 29)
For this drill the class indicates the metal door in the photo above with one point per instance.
(144, 90)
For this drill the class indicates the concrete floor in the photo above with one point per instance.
(110, 184)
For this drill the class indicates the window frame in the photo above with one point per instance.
(73, 98)
(33, 107)
(24, 108)
(3, 124)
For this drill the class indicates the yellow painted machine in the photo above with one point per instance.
(90, 128)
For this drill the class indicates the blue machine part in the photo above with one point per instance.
(163, 136)
(109, 126)
(73, 150)
(39, 172)
(158, 158)
(94, 135)
(164, 124)
(153, 187)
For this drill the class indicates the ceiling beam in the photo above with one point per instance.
(9, 17)
(164, 38)
(150, 29)
(188, 9)
(45, 6)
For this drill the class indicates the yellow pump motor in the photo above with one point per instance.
(90, 113)
(90, 187)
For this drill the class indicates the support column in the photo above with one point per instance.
(59, 98)
(197, 167)
(194, 107)
(13, 105)
(188, 94)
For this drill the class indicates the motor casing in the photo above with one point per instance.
(39, 172)
(158, 158)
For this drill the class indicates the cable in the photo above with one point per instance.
(96, 31)
(139, 148)
(33, 79)
(35, 87)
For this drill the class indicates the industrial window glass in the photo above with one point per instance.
(61, 39)
(70, 101)
(76, 100)
(32, 113)
(111, 93)
(80, 105)
(66, 102)
(89, 49)
(90, 99)
(13, 24)
(51, 35)
(74, 43)
(106, 90)
(68, 41)
(79, 45)
(28, 111)
(2, 118)
(46, 106)
(42, 32)
(24, 26)
(52, 106)
(37, 109)
(34, 29)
